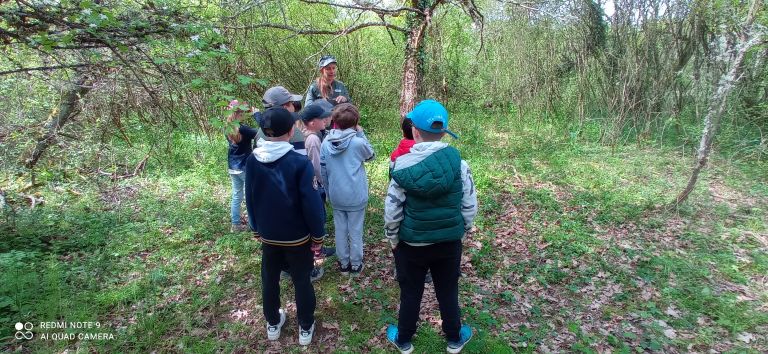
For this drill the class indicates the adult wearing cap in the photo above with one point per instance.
(279, 96)
(326, 86)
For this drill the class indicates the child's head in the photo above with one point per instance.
(279, 96)
(328, 106)
(430, 121)
(237, 109)
(314, 117)
(346, 116)
(277, 123)
(406, 125)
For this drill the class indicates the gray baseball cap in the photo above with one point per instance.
(277, 96)
(325, 60)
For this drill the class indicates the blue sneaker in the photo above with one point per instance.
(465, 334)
(406, 348)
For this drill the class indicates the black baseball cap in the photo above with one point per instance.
(276, 121)
(314, 111)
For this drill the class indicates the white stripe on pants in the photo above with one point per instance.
(349, 235)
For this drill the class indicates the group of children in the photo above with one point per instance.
(297, 164)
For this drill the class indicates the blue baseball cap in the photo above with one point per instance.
(428, 112)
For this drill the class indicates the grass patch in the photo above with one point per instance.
(570, 253)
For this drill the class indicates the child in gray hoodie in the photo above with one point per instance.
(342, 154)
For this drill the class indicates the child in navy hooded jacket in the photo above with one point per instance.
(286, 212)
(341, 165)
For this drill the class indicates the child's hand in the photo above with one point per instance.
(316, 247)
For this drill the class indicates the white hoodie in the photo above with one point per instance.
(269, 151)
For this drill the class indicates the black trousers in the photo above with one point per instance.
(298, 262)
(412, 263)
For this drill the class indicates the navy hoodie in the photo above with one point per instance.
(281, 195)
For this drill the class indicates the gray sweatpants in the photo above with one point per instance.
(349, 236)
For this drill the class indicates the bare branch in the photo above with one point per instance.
(359, 15)
(471, 9)
(378, 10)
(42, 68)
(298, 31)
(527, 5)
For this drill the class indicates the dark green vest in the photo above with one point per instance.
(433, 191)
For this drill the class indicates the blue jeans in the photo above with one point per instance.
(238, 192)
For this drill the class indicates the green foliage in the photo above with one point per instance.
(154, 252)
(569, 231)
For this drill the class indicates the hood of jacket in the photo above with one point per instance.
(339, 140)
(269, 151)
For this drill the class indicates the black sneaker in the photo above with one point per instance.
(328, 251)
(316, 273)
(355, 270)
(344, 269)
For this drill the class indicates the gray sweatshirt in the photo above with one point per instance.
(342, 154)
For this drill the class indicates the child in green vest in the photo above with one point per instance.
(430, 204)
(404, 147)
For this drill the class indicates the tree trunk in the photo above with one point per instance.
(411, 74)
(66, 110)
(413, 67)
(718, 101)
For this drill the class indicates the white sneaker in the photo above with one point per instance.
(306, 336)
(273, 332)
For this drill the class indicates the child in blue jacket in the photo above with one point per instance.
(285, 211)
(240, 141)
